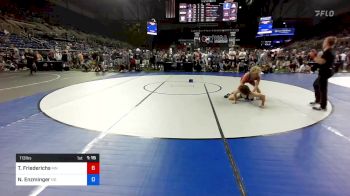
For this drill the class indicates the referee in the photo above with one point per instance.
(325, 64)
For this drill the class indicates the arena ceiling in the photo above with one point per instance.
(145, 9)
(117, 9)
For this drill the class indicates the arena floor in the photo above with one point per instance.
(158, 134)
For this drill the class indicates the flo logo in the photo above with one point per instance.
(324, 13)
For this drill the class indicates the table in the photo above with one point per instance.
(51, 65)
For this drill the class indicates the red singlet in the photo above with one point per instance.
(246, 78)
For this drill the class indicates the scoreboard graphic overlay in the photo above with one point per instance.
(207, 12)
(57, 169)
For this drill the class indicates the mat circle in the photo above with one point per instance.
(213, 88)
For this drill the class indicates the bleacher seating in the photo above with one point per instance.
(47, 36)
(19, 42)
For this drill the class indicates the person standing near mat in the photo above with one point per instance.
(30, 57)
(325, 64)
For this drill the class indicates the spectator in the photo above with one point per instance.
(343, 62)
(30, 57)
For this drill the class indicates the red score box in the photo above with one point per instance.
(93, 168)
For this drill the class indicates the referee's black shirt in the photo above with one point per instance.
(325, 69)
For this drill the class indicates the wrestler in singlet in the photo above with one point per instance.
(249, 78)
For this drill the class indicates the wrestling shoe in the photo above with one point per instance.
(319, 109)
(313, 103)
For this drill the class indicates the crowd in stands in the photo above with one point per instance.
(24, 36)
(31, 28)
(210, 60)
(241, 60)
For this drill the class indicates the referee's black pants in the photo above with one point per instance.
(320, 87)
